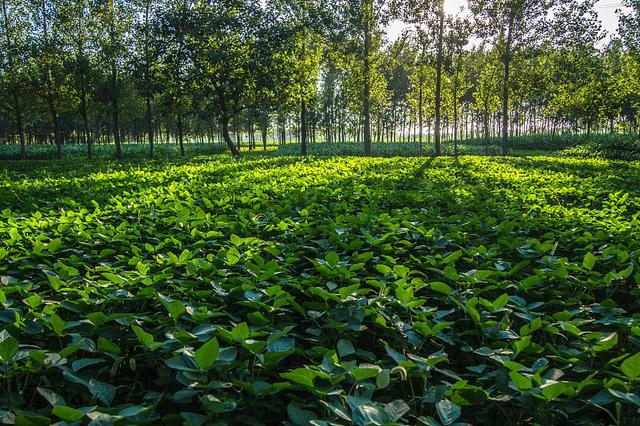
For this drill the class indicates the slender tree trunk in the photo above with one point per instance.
(367, 81)
(455, 118)
(53, 112)
(486, 128)
(439, 61)
(303, 128)
(147, 75)
(85, 118)
(420, 124)
(20, 126)
(505, 90)
(180, 135)
(150, 125)
(264, 126)
(116, 113)
(17, 107)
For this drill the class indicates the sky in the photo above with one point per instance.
(606, 9)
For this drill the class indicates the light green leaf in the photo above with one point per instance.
(67, 413)
(631, 366)
(8, 347)
(240, 332)
(589, 261)
(440, 287)
(521, 382)
(207, 354)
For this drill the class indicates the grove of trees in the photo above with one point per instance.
(236, 71)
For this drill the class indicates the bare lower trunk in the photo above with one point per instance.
(180, 135)
(264, 134)
(438, 100)
(505, 92)
(150, 125)
(224, 121)
(303, 130)
(85, 122)
(20, 127)
(116, 110)
(367, 88)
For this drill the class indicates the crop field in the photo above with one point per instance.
(320, 291)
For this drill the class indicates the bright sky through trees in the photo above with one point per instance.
(606, 10)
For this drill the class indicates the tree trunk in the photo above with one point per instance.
(486, 129)
(367, 81)
(420, 124)
(85, 119)
(150, 125)
(224, 121)
(17, 107)
(505, 90)
(116, 113)
(180, 135)
(303, 128)
(147, 73)
(264, 133)
(438, 100)
(20, 127)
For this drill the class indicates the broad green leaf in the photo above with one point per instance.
(448, 411)
(8, 347)
(207, 354)
(332, 258)
(67, 413)
(521, 382)
(364, 373)
(631, 366)
(345, 348)
(589, 261)
(145, 338)
(301, 376)
(440, 287)
(240, 332)
(33, 301)
(383, 379)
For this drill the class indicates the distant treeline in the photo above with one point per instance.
(251, 73)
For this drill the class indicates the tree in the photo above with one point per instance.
(48, 72)
(630, 25)
(222, 49)
(486, 97)
(508, 25)
(147, 49)
(306, 22)
(580, 86)
(456, 39)
(13, 46)
(177, 69)
(114, 23)
(421, 77)
(365, 19)
(76, 26)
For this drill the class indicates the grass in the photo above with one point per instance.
(334, 290)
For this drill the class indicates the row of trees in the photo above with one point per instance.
(108, 71)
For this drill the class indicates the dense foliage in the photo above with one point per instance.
(249, 72)
(345, 290)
